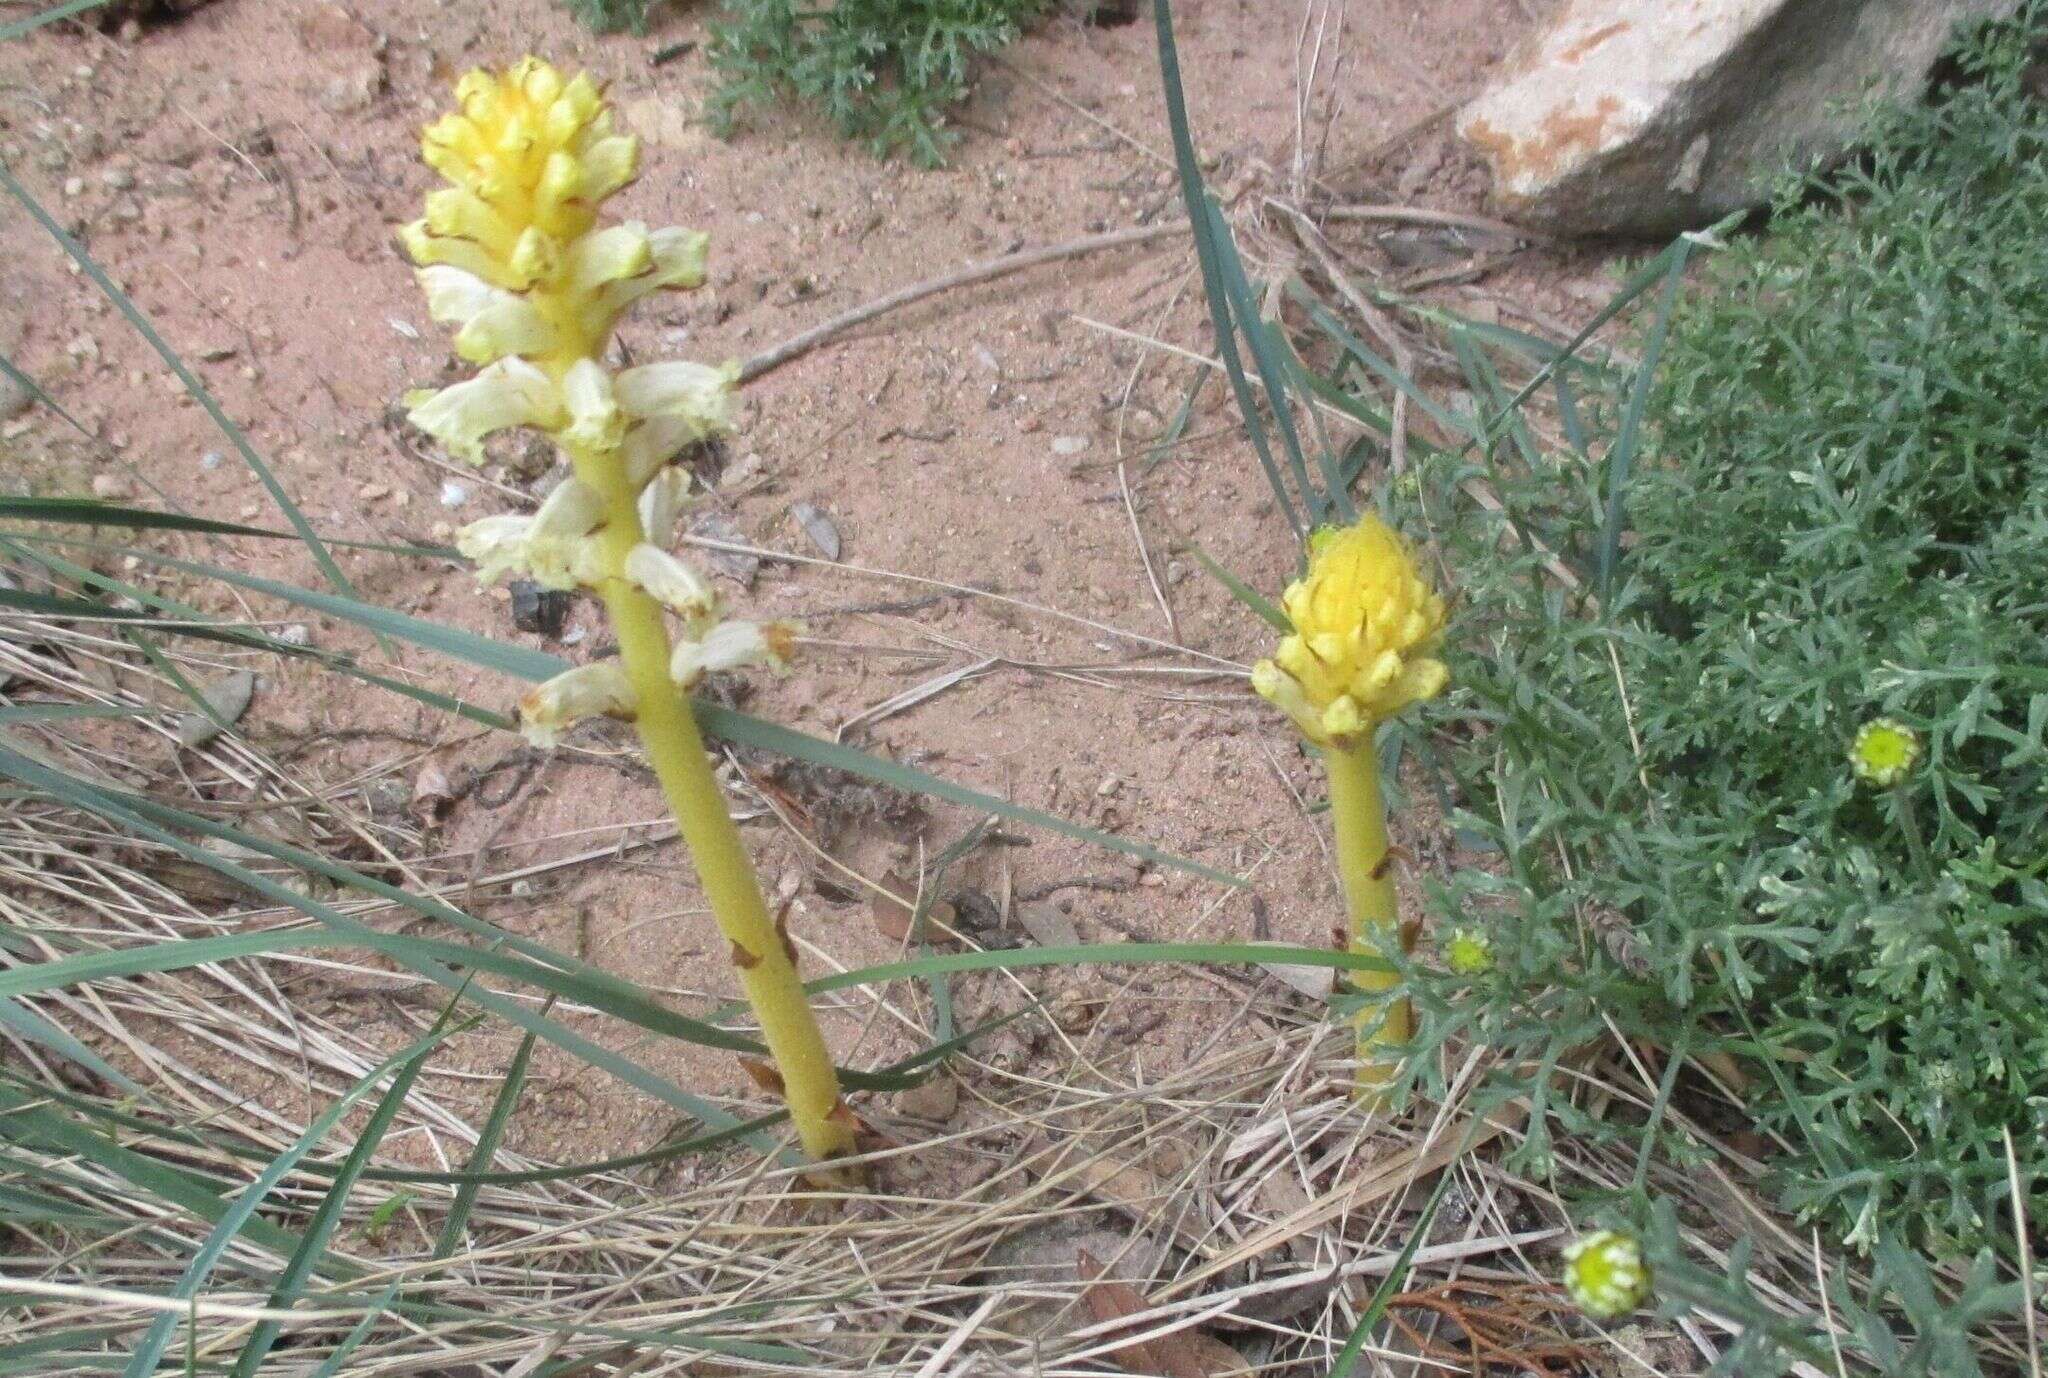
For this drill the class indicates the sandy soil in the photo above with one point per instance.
(240, 172)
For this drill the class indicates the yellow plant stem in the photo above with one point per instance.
(675, 748)
(1358, 815)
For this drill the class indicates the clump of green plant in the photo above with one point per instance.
(885, 72)
(611, 16)
(1757, 729)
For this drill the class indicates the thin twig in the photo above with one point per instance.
(964, 277)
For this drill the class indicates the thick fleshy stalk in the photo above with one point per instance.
(762, 955)
(1365, 864)
(512, 254)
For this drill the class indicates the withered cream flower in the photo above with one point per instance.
(732, 646)
(588, 691)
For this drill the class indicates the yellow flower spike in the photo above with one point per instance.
(1363, 648)
(511, 255)
(1884, 752)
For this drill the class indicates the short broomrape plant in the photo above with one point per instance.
(513, 256)
(1365, 629)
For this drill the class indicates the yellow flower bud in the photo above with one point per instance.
(1884, 752)
(1365, 630)
(1605, 1274)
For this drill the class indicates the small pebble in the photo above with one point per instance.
(453, 493)
(295, 634)
(109, 486)
(539, 611)
(74, 186)
(1064, 445)
(211, 460)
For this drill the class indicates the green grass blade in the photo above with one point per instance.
(48, 16)
(143, 1361)
(93, 512)
(746, 730)
(22, 714)
(28, 1120)
(1621, 454)
(311, 539)
(291, 1281)
(476, 1171)
(35, 389)
(28, 1024)
(1208, 259)
(1244, 308)
(104, 803)
(1101, 954)
(1267, 611)
(733, 726)
(1396, 1278)
(200, 625)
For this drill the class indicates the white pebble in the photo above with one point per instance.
(453, 493)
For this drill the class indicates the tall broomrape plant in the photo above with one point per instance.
(1365, 629)
(511, 254)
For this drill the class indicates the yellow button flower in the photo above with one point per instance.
(1469, 952)
(1884, 752)
(1605, 1274)
(1365, 630)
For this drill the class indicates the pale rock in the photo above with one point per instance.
(1645, 117)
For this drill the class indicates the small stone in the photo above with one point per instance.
(819, 526)
(295, 634)
(117, 179)
(14, 397)
(1065, 445)
(542, 612)
(228, 698)
(454, 493)
(742, 471)
(109, 486)
(74, 186)
(374, 492)
(933, 1101)
(211, 460)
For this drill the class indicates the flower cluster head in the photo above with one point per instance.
(512, 255)
(1605, 1275)
(1884, 752)
(1469, 952)
(1365, 632)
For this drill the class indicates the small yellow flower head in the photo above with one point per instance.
(1469, 952)
(1365, 628)
(1605, 1275)
(512, 256)
(1884, 752)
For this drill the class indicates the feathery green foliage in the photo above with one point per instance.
(1839, 515)
(885, 72)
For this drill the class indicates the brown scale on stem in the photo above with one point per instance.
(763, 1075)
